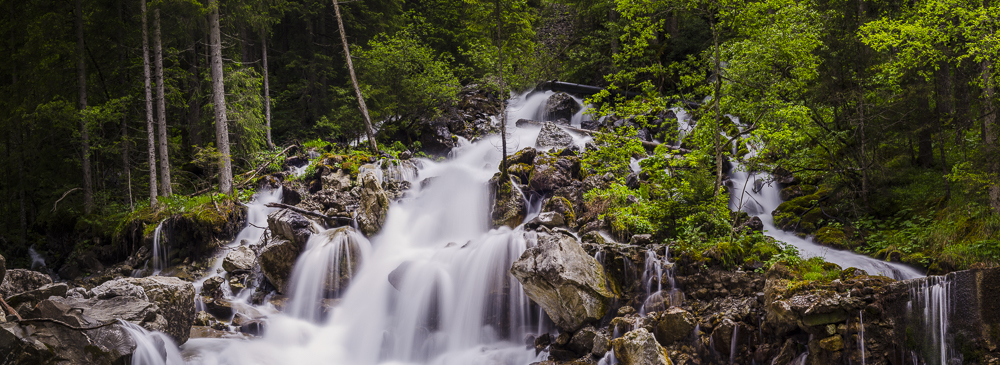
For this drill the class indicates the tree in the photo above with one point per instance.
(267, 88)
(161, 107)
(81, 70)
(150, 132)
(354, 81)
(219, 101)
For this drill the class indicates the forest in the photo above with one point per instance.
(884, 111)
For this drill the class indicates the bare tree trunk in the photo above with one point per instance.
(161, 108)
(717, 98)
(504, 179)
(267, 88)
(990, 136)
(945, 111)
(354, 80)
(194, 103)
(150, 132)
(126, 165)
(81, 72)
(219, 99)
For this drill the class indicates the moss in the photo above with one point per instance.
(562, 205)
(801, 214)
(832, 236)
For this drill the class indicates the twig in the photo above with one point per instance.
(343, 220)
(63, 197)
(56, 321)
(266, 164)
(9, 309)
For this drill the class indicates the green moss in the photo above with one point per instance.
(831, 236)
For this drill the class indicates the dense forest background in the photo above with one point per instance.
(885, 110)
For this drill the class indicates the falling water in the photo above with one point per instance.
(608, 359)
(324, 269)
(732, 344)
(761, 202)
(931, 299)
(151, 348)
(37, 261)
(160, 250)
(656, 270)
(861, 335)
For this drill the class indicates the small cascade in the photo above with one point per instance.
(861, 335)
(656, 271)
(684, 124)
(801, 359)
(37, 261)
(931, 301)
(608, 359)
(160, 250)
(733, 343)
(324, 270)
(152, 348)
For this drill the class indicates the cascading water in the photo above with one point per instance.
(931, 301)
(757, 194)
(656, 271)
(160, 250)
(324, 269)
(151, 348)
(861, 335)
(37, 261)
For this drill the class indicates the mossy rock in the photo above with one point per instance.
(562, 206)
(832, 237)
(521, 170)
(801, 214)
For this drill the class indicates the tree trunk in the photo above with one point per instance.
(504, 178)
(717, 98)
(945, 111)
(81, 72)
(267, 88)
(219, 99)
(354, 80)
(161, 108)
(194, 101)
(990, 136)
(150, 132)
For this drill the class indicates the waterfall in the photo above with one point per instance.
(324, 269)
(931, 301)
(37, 261)
(656, 270)
(160, 250)
(151, 348)
(861, 335)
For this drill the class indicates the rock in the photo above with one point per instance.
(276, 262)
(590, 124)
(220, 308)
(338, 181)
(290, 225)
(583, 340)
(508, 205)
(50, 343)
(547, 219)
(638, 347)
(601, 344)
(832, 344)
(549, 174)
(202, 318)
(561, 105)
(290, 196)
(525, 156)
(562, 206)
(553, 136)
(212, 287)
(19, 280)
(374, 204)
(405, 155)
(37, 295)
(672, 325)
(241, 259)
(565, 281)
(641, 239)
(3, 268)
(118, 288)
(175, 297)
(521, 123)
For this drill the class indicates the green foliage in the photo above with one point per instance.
(614, 152)
(245, 111)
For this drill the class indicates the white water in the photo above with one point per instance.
(933, 297)
(861, 335)
(656, 271)
(37, 261)
(160, 250)
(761, 203)
(151, 348)
(329, 256)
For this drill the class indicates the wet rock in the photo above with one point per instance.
(276, 261)
(672, 325)
(220, 308)
(547, 219)
(37, 295)
(118, 288)
(525, 156)
(212, 287)
(508, 205)
(641, 239)
(19, 280)
(405, 155)
(549, 174)
(175, 298)
(253, 327)
(590, 124)
(832, 344)
(374, 204)
(290, 225)
(601, 344)
(553, 136)
(562, 206)
(561, 105)
(209, 332)
(582, 341)
(638, 347)
(565, 281)
(50, 343)
(240, 259)
(290, 196)
(202, 318)
(337, 181)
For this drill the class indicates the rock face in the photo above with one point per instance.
(18, 281)
(508, 204)
(239, 260)
(374, 203)
(551, 173)
(561, 105)
(175, 298)
(337, 181)
(32, 297)
(50, 343)
(290, 225)
(638, 347)
(553, 136)
(276, 262)
(564, 280)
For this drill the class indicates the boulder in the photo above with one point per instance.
(672, 325)
(117, 288)
(565, 281)
(51, 343)
(549, 174)
(547, 219)
(525, 156)
(373, 203)
(582, 341)
(337, 181)
(34, 296)
(19, 280)
(290, 225)
(508, 208)
(212, 287)
(175, 298)
(638, 347)
(561, 105)
(240, 259)
(276, 262)
(553, 136)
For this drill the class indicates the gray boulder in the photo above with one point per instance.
(551, 172)
(570, 285)
(32, 297)
(276, 262)
(239, 260)
(374, 203)
(672, 325)
(118, 288)
(19, 280)
(638, 347)
(337, 181)
(553, 136)
(175, 298)
(290, 225)
(32, 342)
(561, 105)
(548, 219)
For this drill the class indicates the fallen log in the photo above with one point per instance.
(337, 221)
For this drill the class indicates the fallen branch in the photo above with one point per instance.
(645, 144)
(56, 321)
(9, 309)
(265, 165)
(338, 220)
(62, 197)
